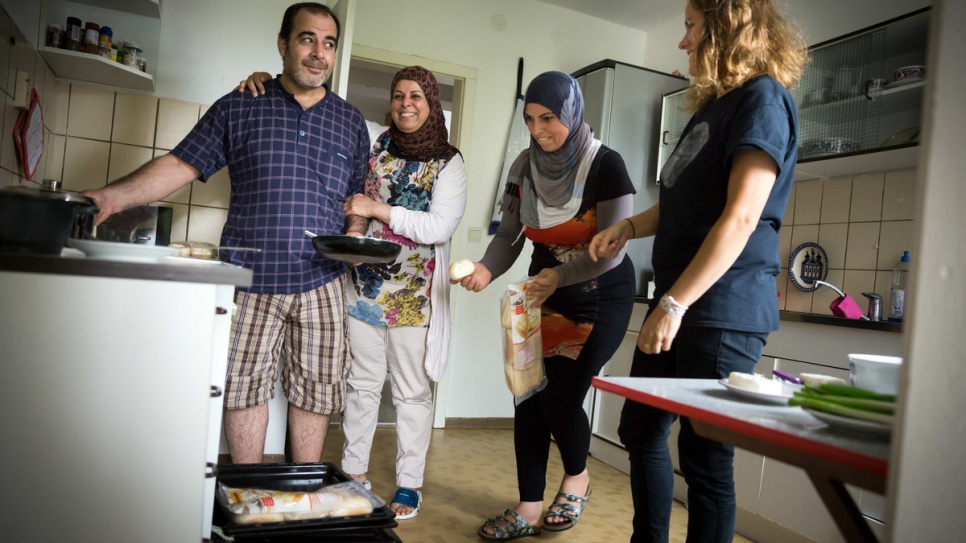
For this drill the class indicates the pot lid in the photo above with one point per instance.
(31, 192)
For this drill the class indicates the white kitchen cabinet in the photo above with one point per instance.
(131, 20)
(111, 379)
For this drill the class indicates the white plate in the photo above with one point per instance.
(838, 422)
(904, 81)
(122, 252)
(787, 390)
(903, 136)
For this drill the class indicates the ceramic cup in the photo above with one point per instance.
(873, 87)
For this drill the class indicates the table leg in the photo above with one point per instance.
(842, 507)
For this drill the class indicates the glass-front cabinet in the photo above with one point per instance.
(859, 101)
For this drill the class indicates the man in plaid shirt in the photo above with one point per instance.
(294, 156)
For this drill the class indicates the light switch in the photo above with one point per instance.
(21, 94)
(475, 235)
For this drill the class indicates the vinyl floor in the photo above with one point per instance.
(470, 475)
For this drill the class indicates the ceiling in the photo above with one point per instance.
(639, 14)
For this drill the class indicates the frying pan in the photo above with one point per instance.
(355, 249)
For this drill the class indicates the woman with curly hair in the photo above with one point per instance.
(715, 257)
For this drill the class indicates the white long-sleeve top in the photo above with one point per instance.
(436, 226)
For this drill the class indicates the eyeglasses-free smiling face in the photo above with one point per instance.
(409, 106)
(549, 133)
(309, 53)
(693, 32)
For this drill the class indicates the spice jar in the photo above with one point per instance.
(104, 42)
(92, 33)
(72, 36)
(132, 55)
(55, 36)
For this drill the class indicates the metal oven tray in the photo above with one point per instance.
(301, 478)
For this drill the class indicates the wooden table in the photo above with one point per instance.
(831, 459)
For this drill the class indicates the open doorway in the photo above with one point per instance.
(369, 77)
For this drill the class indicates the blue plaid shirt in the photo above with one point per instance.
(291, 170)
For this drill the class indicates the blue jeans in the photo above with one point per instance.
(708, 466)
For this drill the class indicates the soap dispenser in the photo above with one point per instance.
(875, 306)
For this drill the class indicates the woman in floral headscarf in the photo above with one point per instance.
(559, 193)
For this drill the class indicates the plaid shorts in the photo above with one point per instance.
(305, 334)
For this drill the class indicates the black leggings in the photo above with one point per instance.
(558, 410)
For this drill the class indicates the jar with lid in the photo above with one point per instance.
(72, 36)
(55, 36)
(104, 42)
(132, 55)
(92, 33)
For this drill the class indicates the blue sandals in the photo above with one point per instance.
(409, 498)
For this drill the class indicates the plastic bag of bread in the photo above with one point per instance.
(195, 249)
(522, 343)
(256, 505)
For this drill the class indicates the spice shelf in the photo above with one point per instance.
(76, 66)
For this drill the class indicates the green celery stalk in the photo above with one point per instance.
(855, 392)
(837, 409)
(875, 406)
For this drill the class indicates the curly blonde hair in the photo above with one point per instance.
(743, 38)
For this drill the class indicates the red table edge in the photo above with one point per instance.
(845, 457)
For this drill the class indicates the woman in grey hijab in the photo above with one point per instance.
(559, 193)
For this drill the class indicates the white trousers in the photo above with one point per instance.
(402, 350)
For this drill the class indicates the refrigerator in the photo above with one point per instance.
(622, 104)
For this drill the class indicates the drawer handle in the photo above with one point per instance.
(664, 137)
(221, 311)
(211, 470)
(215, 391)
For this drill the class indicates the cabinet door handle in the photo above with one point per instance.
(221, 311)
(215, 391)
(211, 470)
(664, 137)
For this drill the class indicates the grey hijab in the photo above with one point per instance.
(556, 178)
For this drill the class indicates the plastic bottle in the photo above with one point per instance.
(900, 282)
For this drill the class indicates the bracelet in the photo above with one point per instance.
(633, 230)
(671, 307)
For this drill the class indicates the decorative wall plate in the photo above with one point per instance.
(808, 263)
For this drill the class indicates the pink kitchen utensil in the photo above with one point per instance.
(844, 305)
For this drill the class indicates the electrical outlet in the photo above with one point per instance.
(21, 94)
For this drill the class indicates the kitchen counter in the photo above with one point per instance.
(218, 273)
(831, 320)
(116, 371)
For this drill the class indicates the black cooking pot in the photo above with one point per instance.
(39, 221)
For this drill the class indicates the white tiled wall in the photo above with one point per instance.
(863, 223)
(94, 135)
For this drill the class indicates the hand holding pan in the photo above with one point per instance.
(354, 249)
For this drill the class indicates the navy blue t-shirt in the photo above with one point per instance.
(694, 187)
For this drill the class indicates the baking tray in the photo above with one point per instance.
(327, 535)
(296, 477)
